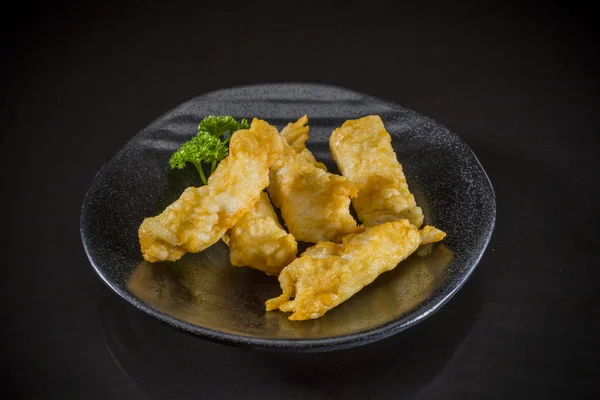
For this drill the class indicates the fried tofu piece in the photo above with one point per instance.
(363, 152)
(258, 241)
(314, 204)
(202, 215)
(328, 274)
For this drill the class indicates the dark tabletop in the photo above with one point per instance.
(519, 84)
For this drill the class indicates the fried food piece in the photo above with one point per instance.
(201, 216)
(363, 152)
(390, 296)
(430, 234)
(314, 204)
(296, 135)
(258, 241)
(327, 274)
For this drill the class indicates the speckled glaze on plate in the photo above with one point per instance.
(202, 293)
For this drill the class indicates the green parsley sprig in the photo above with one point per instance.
(209, 146)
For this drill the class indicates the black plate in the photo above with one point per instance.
(204, 294)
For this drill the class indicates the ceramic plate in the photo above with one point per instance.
(204, 294)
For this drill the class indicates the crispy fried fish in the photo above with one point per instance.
(363, 152)
(314, 204)
(201, 216)
(258, 241)
(327, 274)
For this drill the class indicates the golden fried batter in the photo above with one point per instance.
(257, 240)
(296, 135)
(315, 204)
(363, 152)
(328, 274)
(203, 214)
(429, 234)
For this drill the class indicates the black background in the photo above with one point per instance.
(519, 83)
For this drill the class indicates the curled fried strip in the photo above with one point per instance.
(328, 274)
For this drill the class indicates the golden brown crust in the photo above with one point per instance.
(328, 274)
(363, 152)
(258, 241)
(315, 204)
(201, 216)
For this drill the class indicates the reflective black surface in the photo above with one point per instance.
(205, 294)
(519, 84)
